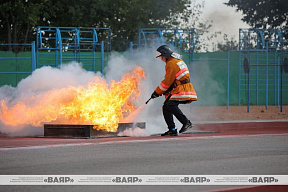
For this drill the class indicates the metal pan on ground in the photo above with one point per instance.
(86, 131)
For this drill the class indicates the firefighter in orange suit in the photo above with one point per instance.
(177, 89)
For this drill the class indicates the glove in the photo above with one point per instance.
(154, 95)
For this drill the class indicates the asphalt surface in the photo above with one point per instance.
(255, 154)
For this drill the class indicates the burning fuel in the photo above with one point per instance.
(98, 103)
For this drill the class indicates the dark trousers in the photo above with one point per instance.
(171, 108)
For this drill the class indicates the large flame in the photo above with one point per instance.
(99, 103)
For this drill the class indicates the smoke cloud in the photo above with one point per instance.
(225, 20)
(35, 86)
(47, 79)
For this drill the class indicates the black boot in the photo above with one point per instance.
(185, 127)
(170, 133)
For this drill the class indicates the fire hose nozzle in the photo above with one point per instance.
(148, 101)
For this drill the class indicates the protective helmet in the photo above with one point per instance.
(164, 50)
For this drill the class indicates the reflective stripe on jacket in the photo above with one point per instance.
(177, 70)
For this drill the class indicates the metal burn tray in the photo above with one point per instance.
(85, 131)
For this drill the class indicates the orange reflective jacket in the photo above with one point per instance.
(177, 70)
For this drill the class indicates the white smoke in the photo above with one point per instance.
(48, 78)
(154, 72)
(72, 74)
(210, 91)
(137, 132)
(45, 79)
(225, 20)
(39, 82)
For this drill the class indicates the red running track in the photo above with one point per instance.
(222, 129)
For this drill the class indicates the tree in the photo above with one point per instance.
(227, 45)
(263, 13)
(19, 18)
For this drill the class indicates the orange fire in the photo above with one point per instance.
(99, 103)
